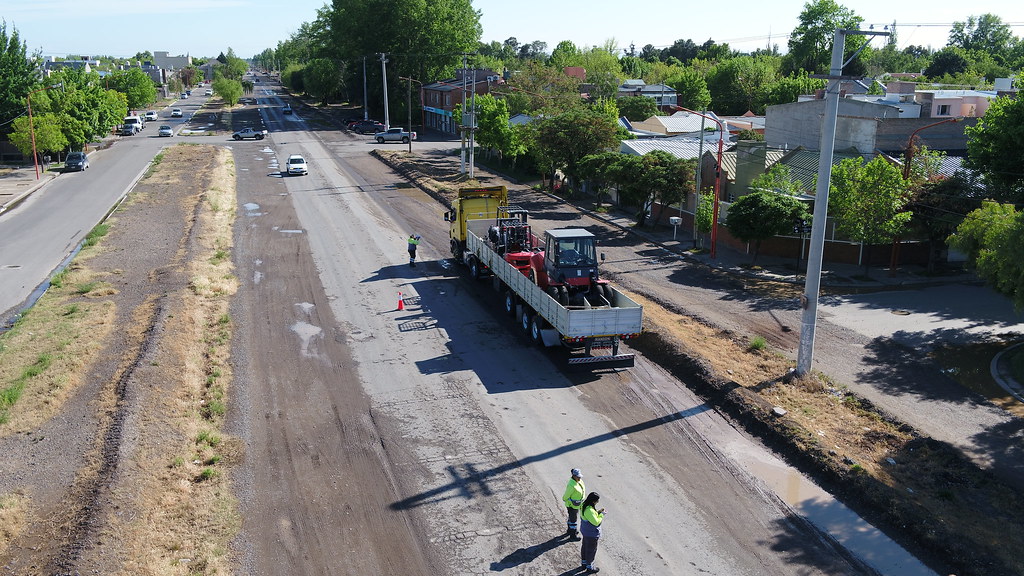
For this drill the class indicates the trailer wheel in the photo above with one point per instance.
(536, 325)
(526, 318)
(510, 303)
(474, 268)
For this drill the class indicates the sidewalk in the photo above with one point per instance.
(19, 183)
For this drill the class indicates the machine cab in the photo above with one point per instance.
(570, 256)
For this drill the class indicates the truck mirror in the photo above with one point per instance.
(447, 216)
(602, 256)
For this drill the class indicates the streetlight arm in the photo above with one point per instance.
(718, 177)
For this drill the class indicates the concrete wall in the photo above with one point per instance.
(799, 124)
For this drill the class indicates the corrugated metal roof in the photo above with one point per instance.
(803, 163)
(685, 148)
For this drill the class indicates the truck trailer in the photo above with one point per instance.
(549, 284)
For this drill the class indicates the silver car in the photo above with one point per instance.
(165, 131)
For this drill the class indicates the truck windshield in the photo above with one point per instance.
(577, 252)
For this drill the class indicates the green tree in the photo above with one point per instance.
(17, 76)
(950, 61)
(626, 172)
(764, 214)
(228, 90)
(868, 200)
(234, 68)
(994, 146)
(136, 85)
(565, 54)
(939, 206)
(993, 238)
(738, 85)
(810, 43)
(778, 178)
(637, 108)
(49, 137)
(705, 216)
(667, 179)
(322, 78)
(430, 36)
(565, 139)
(986, 34)
(692, 87)
(604, 73)
(596, 170)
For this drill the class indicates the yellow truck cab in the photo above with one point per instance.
(472, 204)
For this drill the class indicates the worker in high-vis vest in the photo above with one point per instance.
(414, 241)
(573, 498)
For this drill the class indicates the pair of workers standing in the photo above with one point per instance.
(584, 517)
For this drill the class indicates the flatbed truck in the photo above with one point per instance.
(592, 328)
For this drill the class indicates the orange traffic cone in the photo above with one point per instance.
(401, 302)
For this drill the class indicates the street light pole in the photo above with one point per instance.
(384, 78)
(718, 178)
(812, 282)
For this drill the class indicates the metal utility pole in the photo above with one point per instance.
(700, 175)
(366, 113)
(384, 78)
(408, 105)
(462, 130)
(472, 131)
(812, 283)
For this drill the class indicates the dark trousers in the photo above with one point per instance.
(412, 255)
(589, 550)
(572, 524)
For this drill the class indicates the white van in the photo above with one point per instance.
(135, 122)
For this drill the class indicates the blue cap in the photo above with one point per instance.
(576, 473)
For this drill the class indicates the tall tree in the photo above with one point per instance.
(764, 214)
(868, 201)
(136, 85)
(668, 179)
(987, 34)
(995, 148)
(17, 76)
(565, 139)
(322, 79)
(692, 87)
(810, 43)
(48, 135)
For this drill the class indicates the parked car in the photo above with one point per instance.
(394, 135)
(151, 115)
(368, 127)
(165, 130)
(297, 165)
(188, 92)
(76, 162)
(287, 109)
(209, 92)
(184, 96)
(249, 133)
(175, 112)
(128, 130)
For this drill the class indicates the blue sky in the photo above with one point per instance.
(208, 27)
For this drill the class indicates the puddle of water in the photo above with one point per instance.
(306, 333)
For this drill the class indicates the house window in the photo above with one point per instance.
(435, 98)
(447, 99)
(943, 110)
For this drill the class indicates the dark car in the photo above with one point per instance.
(287, 109)
(368, 127)
(76, 162)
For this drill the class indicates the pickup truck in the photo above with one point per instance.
(249, 133)
(394, 135)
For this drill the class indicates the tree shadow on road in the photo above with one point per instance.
(529, 554)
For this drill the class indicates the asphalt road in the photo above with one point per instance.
(468, 430)
(49, 225)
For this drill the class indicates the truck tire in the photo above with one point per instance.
(563, 295)
(474, 268)
(237, 137)
(510, 302)
(405, 140)
(526, 319)
(456, 251)
(536, 325)
(380, 139)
